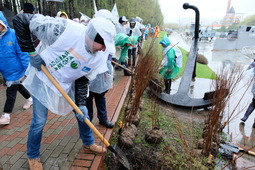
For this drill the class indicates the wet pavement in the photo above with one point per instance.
(239, 133)
(61, 147)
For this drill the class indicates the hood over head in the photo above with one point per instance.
(28, 8)
(122, 19)
(104, 13)
(105, 29)
(122, 39)
(60, 13)
(4, 23)
(165, 41)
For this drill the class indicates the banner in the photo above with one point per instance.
(115, 14)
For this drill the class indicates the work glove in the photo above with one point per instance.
(36, 61)
(85, 115)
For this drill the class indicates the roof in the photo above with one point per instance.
(231, 10)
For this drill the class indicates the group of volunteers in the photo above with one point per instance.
(83, 67)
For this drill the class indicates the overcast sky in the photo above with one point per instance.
(209, 9)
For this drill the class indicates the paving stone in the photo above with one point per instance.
(23, 128)
(14, 142)
(25, 165)
(70, 116)
(82, 163)
(66, 165)
(16, 157)
(58, 130)
(50, 139)
(18, 164)
(65, 141)
(43, 147)
(78, 144)
(48, 133)
(57, 151)
(52, 121)
(62, 118)
(23, 168)
(75, 137)
(55, 168)
(3, 131)
(68, 148)
(45, 155)
(23, 141)
(4, 144)
(68, 127)
(54, 144)
(61, 150)
(49, 162)
(62, 159)
(6, 166)
(10, 132)
(72, 155)
(5, 160)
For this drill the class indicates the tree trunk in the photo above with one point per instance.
(53, 8)
(71, 9)
(14, 7)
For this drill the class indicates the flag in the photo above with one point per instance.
(84, 16)
(115, 14)
(95, 7)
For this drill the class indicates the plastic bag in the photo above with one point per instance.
(55, 103)
(102, 83)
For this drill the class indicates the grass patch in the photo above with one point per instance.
(202, 71)
(170, 153)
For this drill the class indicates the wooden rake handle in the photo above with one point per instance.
(123, 67)
(74, 106)
(251, 153)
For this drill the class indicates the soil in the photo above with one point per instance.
(143, 156)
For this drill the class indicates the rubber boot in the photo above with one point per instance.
(126, 73)
(167, 86)
(248, 112)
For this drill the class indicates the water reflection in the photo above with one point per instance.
(217, 59)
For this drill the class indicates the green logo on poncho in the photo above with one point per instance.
(75, 64)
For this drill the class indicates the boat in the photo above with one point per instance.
(236, 40)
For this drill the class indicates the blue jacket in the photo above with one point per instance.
(13, 62)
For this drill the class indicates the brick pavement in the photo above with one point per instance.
(61, 146)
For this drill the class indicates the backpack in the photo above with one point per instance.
(178, 57)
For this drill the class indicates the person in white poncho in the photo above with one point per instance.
(69, 51)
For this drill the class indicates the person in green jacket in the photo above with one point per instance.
(125, 42)
(169, 68)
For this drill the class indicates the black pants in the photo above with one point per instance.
(11, 93)
(100, 104)
(131, 57)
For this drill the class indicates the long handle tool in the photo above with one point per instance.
(121, 157)
(236, 149)
(123, 67)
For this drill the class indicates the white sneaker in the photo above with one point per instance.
(27, 104)
(4, 120)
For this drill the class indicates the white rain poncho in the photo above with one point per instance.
(103, 81)
(121, 28)
(74, 57)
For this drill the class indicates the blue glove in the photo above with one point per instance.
(81, 117)
(36, 62)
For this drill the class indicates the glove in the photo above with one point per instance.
(81, 117)
(36, 61)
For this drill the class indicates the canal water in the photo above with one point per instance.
(238, 132)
